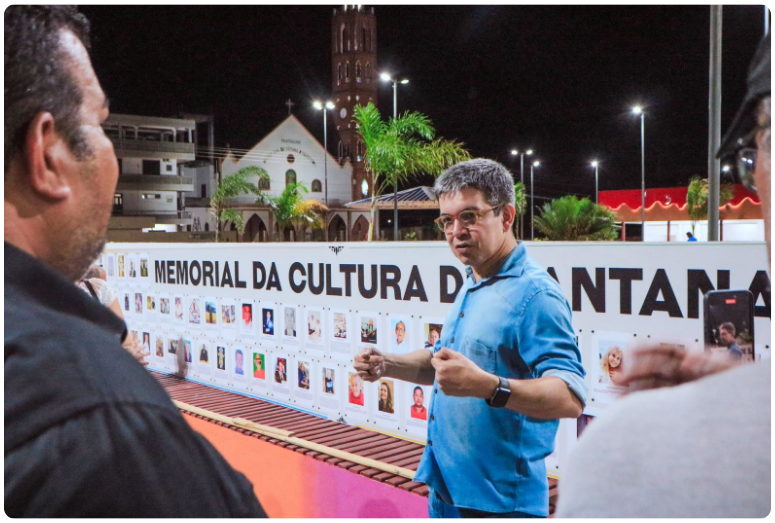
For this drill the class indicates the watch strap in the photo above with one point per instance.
(501, 395)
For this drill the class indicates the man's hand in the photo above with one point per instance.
(459, 376)
(654, 367)
(136, 349)
(370, 364)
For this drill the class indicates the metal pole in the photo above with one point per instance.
(325, 153)
(532, 230)
(522, 179)
(714, 122)
(597, 200)
(643, 176)
(395, 180)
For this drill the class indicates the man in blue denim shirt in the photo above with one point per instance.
(506, 367)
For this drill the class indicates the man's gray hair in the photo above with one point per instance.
(489, 177)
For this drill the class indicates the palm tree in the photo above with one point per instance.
(697, 199)
(291, 209)
(520, 205)
(571, 219)
(400, 148)
(230, 187)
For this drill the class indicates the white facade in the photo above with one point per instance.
(291, 151)
(731, 231)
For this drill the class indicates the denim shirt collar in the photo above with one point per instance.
(512, 265)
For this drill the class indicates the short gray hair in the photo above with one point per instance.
(488, 176)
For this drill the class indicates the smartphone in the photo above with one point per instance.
(729, 324)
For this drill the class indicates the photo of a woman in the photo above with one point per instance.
(612, 366)
(386, 396)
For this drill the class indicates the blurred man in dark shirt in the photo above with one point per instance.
(88, 432)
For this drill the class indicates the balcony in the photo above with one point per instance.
(154, 182)
(129, 148)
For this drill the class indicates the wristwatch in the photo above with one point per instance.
(501, 395)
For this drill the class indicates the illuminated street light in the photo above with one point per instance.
(515, 152)
(317, 104)
(595, 164)
(638, 110)
(387, 78)
(532, 205)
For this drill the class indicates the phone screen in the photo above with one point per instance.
(729, 324)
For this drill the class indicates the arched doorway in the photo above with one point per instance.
(289, 235)
(255, 230)
(337, 229)
(360, 229)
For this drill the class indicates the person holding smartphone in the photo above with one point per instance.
(702, 449)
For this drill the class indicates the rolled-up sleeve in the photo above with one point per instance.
(547, 342)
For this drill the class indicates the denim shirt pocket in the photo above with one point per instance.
(484, 357)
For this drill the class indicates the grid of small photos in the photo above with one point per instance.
(286, 352)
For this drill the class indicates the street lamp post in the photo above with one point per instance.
(321, 107)
(522, 179)
(387, 78)
(532, 206)
(595, 164)
(637, 110)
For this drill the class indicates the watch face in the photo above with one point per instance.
(343, 113)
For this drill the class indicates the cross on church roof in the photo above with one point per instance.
(290, 104)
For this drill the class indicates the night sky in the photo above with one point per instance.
(558, 79)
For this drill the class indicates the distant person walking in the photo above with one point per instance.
(690, 237)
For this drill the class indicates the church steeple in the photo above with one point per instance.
(353, 80)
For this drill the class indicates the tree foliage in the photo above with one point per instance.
(573, 219)
(401, 148)
(697, 199)
(230, 187)
(520, 205)
(291, 209)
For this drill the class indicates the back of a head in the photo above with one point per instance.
(37, 77)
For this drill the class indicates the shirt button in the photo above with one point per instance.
(435, 391)
(452, 340)
(462, 314)
(432, 417)
(430, 443)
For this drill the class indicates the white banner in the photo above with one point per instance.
(283, 321)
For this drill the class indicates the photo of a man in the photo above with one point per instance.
(399, 340)
(259, 366)
(239, 360)
(356, 390)
(143, 267)
(164, 305)
(204, 356)
(418, 410)
(247, 317)
(726, 334)
(138, 303)
(279, 374)
(194, 313)
(304, 375)
(173, 348)
(268, 322)
(290, 322)
(178, 308)
(187, 349)
(120, 265)
(314, 334)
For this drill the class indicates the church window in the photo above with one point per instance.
(363, 38)
(341, 149)
(365, 188)
(358, 72)
(317, 186)
(290, 177)
(338, 74)
(290, 158)
(342, 38)
(368, 72)
(347, 72)
(263, 184)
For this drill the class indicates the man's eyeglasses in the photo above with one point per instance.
(745, 157)
(467, 218)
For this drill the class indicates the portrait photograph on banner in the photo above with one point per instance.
(211, 312)
(239, 366)
(246, 327)
(110, 267)
(204, 358)
(121, 266)
(132, 269)
(268, 320)
(303, 393)
(195, 311)
(369, 328)
(607, 369)
(151, 304)
(165, 308)
(290, 326)
(314, 328)
(228, 314)
(179, 309)
(329, 389)
(281, 385)
(144, 266)
(340, 333)
(430, 331)
(138, 304)
(401, 334)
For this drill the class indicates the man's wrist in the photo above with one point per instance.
(490, 386)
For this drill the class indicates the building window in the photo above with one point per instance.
(207, 226)
(347, 72)
(263, 184)
(118, 203)
(342, 38)
(341, 149)
(120, 166)
(203, 188)
(358, 72)
(151, 196)
(152, 167)
(338, 74)
(290, 177)
(290, 158)
(365, 188)
(368, 72)
(317, 186)
(168, 168)
(363, 39)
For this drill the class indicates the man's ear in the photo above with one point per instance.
(508, 212)
(45, 154)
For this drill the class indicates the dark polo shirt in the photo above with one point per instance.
(88, 432)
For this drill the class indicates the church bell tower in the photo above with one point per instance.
(354, 82)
